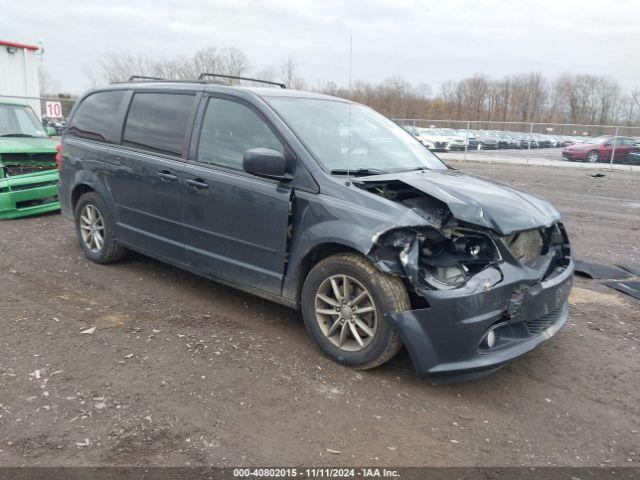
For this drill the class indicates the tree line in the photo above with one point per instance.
(527, 97)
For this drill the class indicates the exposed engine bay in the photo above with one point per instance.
(446, 253)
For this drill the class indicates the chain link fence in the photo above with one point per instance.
(545, 144)
(550, 144)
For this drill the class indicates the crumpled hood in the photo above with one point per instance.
(478, 201)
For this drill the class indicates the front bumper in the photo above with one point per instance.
(455, 146)
(574, 155)
(445, 340)
(29, 194)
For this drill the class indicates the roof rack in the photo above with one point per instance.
(219, 75)
(144, 78)
(134, 78)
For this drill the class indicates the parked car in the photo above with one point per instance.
(325, 206)
(600, 149)
(454, 141)
(503, 141)
(566, 141)
(416, 133)
(472, 142)
(441, 141)
(488, 141)
(634, 153)
(60, 125)
(28, 173)
(542, 140)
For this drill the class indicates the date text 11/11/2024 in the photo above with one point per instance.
(315, 472)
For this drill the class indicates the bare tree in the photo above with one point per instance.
(289, 71)
(526, 97)
(48, 86)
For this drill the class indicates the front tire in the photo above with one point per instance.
(95, 229)
(345, 302)
(593, 156)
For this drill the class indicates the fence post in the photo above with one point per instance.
(529, 142)
(613, 152)
(466, 141)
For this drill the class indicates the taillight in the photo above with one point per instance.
(59, 156)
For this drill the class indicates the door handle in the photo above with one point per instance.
(167, 176)
(197, 183)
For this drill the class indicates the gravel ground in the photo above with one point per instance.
(180, 370)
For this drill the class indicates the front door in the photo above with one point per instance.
(235, 223)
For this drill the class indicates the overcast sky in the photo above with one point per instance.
(422, 41)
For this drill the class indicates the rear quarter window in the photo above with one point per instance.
(97, 117)
(158, 122)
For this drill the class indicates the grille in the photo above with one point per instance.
(36, 202)
(542, 323)
(17, 188)
(12, 171)
(28, 157)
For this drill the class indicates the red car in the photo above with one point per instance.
(600, 149)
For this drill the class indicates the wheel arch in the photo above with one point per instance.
(86, 181)
(313, 256)
(77, 192)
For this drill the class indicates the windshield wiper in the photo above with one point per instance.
(24, 135)
(357, 171)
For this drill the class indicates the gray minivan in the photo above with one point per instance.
(323, 205)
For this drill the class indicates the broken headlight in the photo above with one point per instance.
(450, 262)
(526, 246)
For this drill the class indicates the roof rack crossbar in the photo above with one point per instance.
(133, 78)
(203, 75)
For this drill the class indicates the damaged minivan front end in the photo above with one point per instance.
(489, 270)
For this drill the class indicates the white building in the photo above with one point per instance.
(19, 72)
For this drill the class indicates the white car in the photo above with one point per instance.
(441, 141)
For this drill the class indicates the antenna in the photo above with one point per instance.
(349, 118)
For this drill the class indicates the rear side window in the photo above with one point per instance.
(97, 116)
(158, 121)
(229, 129)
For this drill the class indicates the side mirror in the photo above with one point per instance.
(51, 131)
(265, 162)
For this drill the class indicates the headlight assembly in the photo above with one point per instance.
(450, 262)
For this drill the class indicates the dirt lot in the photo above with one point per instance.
(180, 370)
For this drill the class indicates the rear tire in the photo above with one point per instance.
(375, 340)
(593, 156)
(95, 229)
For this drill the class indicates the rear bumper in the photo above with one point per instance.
(445, 340)
(29, 194)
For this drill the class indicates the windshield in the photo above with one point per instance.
(376, 143)
(19, 121)
(598, 140)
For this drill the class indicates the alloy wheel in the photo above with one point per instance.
(92, 228)
(346, 313)
(593, 157)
